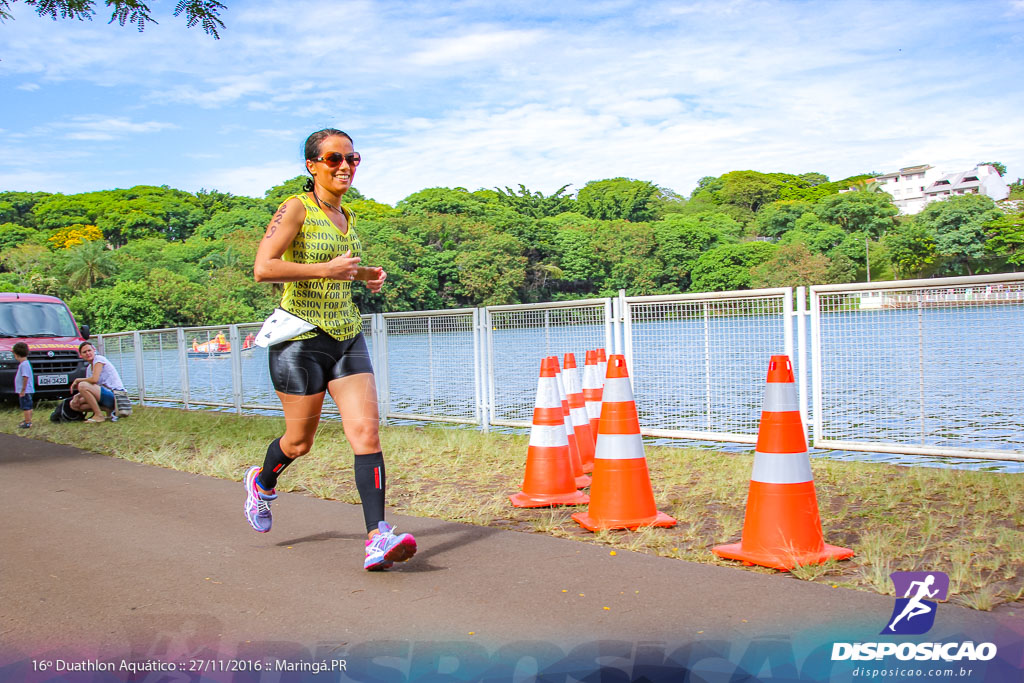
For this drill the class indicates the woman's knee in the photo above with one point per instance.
(295, 448)
(364, 435)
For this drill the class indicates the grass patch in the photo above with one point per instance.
(968, 524)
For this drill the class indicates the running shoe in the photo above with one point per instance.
(386, 548)
(25, 425)
(257, 503)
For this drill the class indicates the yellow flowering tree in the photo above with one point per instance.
(73, 235)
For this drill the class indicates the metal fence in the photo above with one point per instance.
(926, 367)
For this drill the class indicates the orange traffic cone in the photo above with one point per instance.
(782, 528)
(602, 365)
(549, 479)
(592, 389)
(582, 480)
(620, 495)
(578, 413)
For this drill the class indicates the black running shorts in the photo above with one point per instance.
(304, 367)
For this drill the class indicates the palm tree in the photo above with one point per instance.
(89, 263)
(867, 185)
(225, 259)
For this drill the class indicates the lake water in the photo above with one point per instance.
(944, 377)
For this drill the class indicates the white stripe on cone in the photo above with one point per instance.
(619, 447)
(547, 393)
(780, 397)
(548, 436)
(617, 390)
(781, 468)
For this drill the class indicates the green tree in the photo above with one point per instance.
(88, 263)
(749, 189)
(125, 306)
(680, 240)
(228, 258)
(444, 200)
(869, 214)
(728, 267)
(535, 204)
(492, 271)
(59, 211)
(813, 179)
(12, 234)
(1006, 237)
(225, 222)
(204, 13)
(618, 199)
(792, 265)
(911, 249)
(17, 207)
(278, 193)
(778, 218)
(958, 224)
(369, 210)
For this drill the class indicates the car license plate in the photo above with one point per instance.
(51, 380)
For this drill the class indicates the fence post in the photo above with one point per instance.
(480, 367)
(609, 330)
(236, 366)
(816, 364)
(488, 352)
(140, 367)
(183, 361)
(801, 350)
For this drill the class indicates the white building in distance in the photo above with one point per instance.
(913, 187)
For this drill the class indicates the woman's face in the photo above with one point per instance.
(338, 178)
(87, 353)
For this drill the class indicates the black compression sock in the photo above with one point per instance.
(370, 482)
(274, 464)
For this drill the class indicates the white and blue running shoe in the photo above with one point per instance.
(385, 548)
(257, 503)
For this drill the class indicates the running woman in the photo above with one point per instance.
(311, 247)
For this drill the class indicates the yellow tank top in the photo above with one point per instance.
(325, 303)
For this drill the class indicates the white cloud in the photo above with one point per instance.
(250, 181)
(473, 47)
(98, 127)
(553, 93)
(28, 87)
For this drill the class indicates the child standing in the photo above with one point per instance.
(24, 383)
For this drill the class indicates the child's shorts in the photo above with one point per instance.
(25, 402)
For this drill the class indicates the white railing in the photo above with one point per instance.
(927, 367)
(922, 367)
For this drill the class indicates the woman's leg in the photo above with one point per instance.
(90, 393)
(301, 415)
(356, 397)
(301, 418)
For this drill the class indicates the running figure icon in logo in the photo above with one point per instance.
(913, 614)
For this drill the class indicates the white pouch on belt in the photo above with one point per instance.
(281, 326)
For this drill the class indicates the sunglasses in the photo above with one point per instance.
(334, 159)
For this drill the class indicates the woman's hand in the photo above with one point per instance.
(374, 284)
(344, 267)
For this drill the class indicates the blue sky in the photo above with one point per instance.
(473, 94)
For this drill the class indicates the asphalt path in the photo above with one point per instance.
(105, 558)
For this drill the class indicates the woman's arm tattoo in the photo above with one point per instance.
(276, 222)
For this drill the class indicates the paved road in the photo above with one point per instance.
(107, 558)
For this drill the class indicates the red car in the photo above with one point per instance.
(44, 323)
